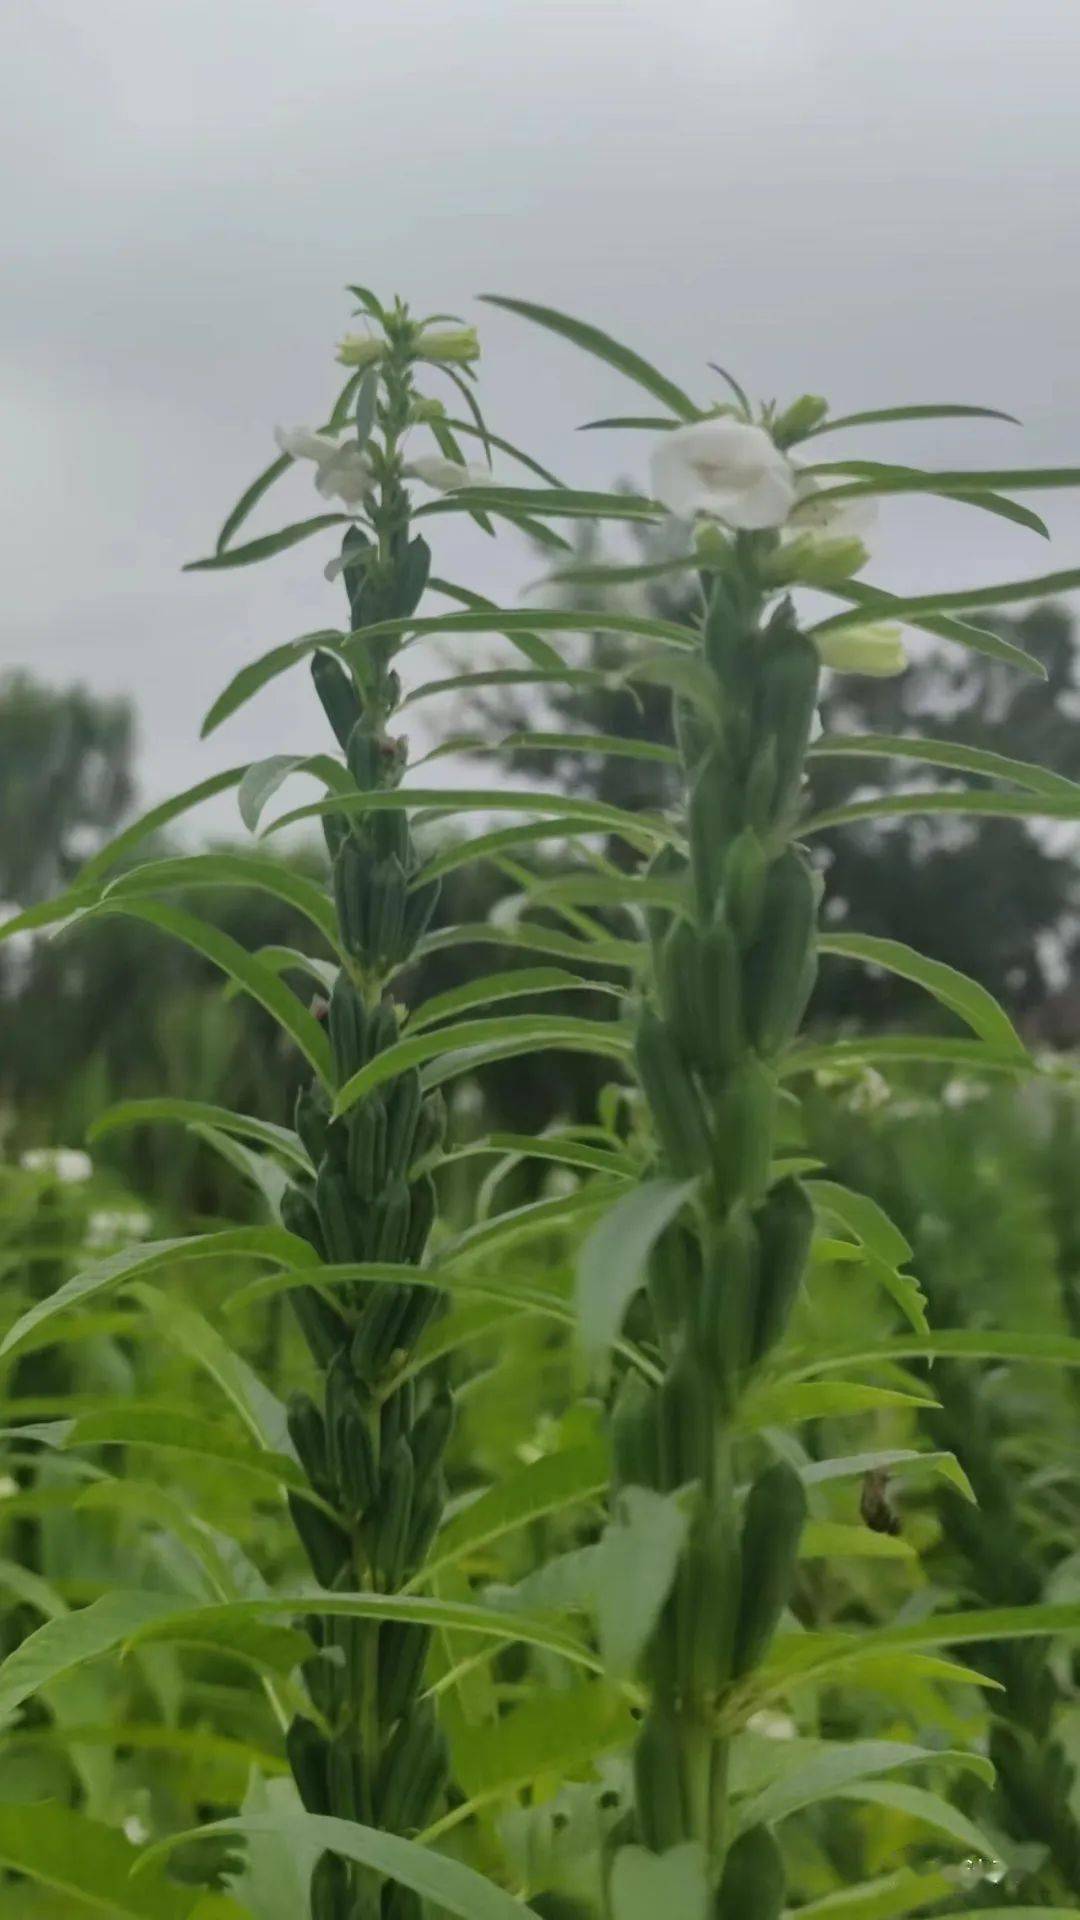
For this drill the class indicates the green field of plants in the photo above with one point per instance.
(540, 1309)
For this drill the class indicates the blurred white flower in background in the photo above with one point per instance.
(725, 469)
(67, 1164)
(114, 1226)
(341, 470)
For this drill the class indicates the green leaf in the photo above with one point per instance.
(822, 1769)
(537, 650)
(854, 1466)
(507, 447)
(500, 841)
(647, 1885)
(253, 870)
(259, 981)
(594, 815)
(531, 506)
(961, 800)
(115, 852)
(250, 498)
(532, 938)
(548, 1485)
(932, 411)
(267, 545)
(592, 340)
(863, 1217)
(186, 1328)
(613, 1260)
(88, 1863)
(510, 620)
(633, 422)
(159, 1425)
(508, 677)
(949, 480)
(475, 1042)
(785, 1403)
(140, 1113)
(901, 1050)
(945, 753)
(611, 745)
(551, 1734)
(451, 1886)
(254, 1243)
(259, 673)
(890, 1897)
(826, 1654)
(1000, 594)
(633, 1570)
(835, 1540)
(264, 777)
(932, 1810)
(957, 1343)
(878, 604)
(493, 987)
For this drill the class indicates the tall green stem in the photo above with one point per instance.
(372, 1444)
(732, 973)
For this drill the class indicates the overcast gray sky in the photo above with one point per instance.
(878, 202)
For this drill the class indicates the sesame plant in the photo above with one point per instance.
(559, 1691)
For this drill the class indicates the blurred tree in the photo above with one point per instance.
(65, 781)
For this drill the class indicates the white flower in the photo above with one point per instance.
(114, 1226)
(726, 469)
(446, 476)
(340, 467)
(68, 1164)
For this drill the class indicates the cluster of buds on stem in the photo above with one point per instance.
(372, 1444)
(732, 974)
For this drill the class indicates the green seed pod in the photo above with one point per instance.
(673, 1278)
(665, 864)
(358, 1468)
(299, 1215)
(331, 1897)
(425, 1787)
(385, 913)
(348, 1025)
(635, 1438)
(761, 781)
(660, 1791)
(791, 672)
(390, 834)
(375, 1337)
(685, 1423)
(724, 629)
(419, 907)
(743, 1115)
(426, 1514)
(421, 1307)
(715, 817)
(403, 1652)
(672, 1094)
(320, 1323)
(430, 1435)
(335, 832)
(718, 996)
(353, 869)
(364, 755)
(726, 1304)
(429, 1135)
(325, 1543)
(785, 1224)
(676, 983)
(394, 1514)
(338, 694)
(308, 1435)
(776, 977)
(705, 1606)
(421, 1217)
(772, 1526)
(346, 1776)
(402, 1113)
(338, 1216)
(366, 1124)
(311, 1116)
(305, 1750)
(752, 1886)
(383, 1028)
(393, 1212)
(745, 871)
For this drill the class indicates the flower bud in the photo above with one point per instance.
(875, 648)
(426, 407)
(809, 561)
(455, 344)
(804, 414)
(361, 350)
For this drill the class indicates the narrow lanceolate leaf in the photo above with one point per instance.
(267, 545)
(449, 1885)
(950, 479)
(549, 1485)
(476, 1038)
(116, 851)
(932, 410)
(959, 800)
(863, 1217)
(825, 1767)
(593, 815)
(519, 982)
(966, 998)
(528, 620)
(140, 1113)
(903, 1049)
(256, 1243)
(229, 870)
(89, 1864)
(175, 1429)
(945, 753)
(886, 606)
(185, 1328)
(260, 982)
(609, 745)
(958, 600)
(829, 1653)
(264, 777)
(631, 422)
(535, 505)
(528, 643)
(612, 1263)
(258, 673)
(959, 1343)
(593, 340)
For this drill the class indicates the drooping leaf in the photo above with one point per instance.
(258, 673)
(267, 545)
(252, 870)
(140, 1113)
(593, 340)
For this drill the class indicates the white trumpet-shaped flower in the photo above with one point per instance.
(446, 476)
(725, 469)
(341, 469)
(815, 511)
